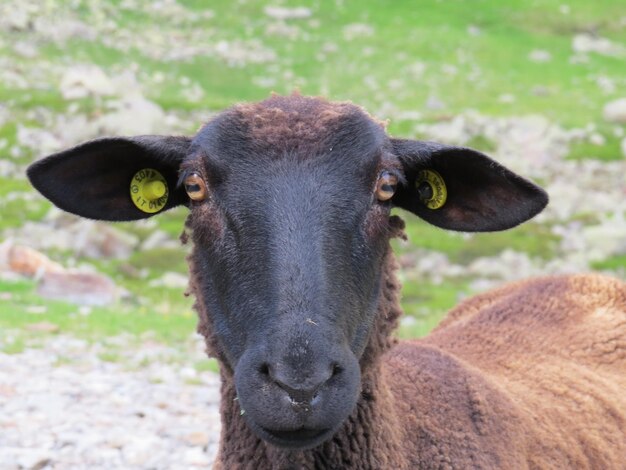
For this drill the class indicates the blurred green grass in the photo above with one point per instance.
(322, 60)
(469, 53)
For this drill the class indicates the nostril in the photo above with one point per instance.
(300, 394)
(264, 369)
(302, 386)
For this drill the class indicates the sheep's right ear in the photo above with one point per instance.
(95, 179)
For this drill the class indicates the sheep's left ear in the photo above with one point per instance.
(116, 178)
(462, 189)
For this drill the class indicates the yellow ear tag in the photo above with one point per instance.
(431, 188)
(148, 190)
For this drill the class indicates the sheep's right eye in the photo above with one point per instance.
(195, 187)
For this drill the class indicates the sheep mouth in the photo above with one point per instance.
(296, 438)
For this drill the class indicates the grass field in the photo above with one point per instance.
(413, 63)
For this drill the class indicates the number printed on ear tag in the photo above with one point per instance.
(431, 188)
(148, 190)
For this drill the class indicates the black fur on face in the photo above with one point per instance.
(289, 238)
(290, 245)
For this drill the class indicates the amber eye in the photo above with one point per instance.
(195, 187)
(386, 186)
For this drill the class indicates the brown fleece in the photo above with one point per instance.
(293, 124)
(528, 376)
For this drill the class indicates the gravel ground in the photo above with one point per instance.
(84, 413)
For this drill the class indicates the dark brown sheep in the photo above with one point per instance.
(297, 298)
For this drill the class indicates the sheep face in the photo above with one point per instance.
(288, 246)
(290, 205)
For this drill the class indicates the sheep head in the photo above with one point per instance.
(290, 204)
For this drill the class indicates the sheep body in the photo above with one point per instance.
(531, 375)
(297, 298)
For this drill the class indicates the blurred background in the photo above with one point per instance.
(538, 85)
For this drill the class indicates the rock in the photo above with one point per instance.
(264, 82)
(35, 461)
(78, 287)
(506, 98)
(434, 266)
(239, 53)
(540, 56)
(43, 327)
(474, 30)
(282, 29)
(40, 140)
(197, 438)
(19, 16)
(283, 13)
(171, 280)
(509, 265)
(26, 261)
(585, 43)
(196, 457)
(159, 239)
(116, 440)
(26, 49)
(408, 116)
(606, 84)
(85, 80)
(615, 111)
(434, 103)
(8, 169)
(139, 450)
(36, 309)
(357, 30)
(82, 237)
(7, 391)
(81, 412)
(597, 139)
(416, 69)
(105, 241)
(540, 90)
(132, 115)
(605, 240)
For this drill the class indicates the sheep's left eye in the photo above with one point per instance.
(386, 186)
